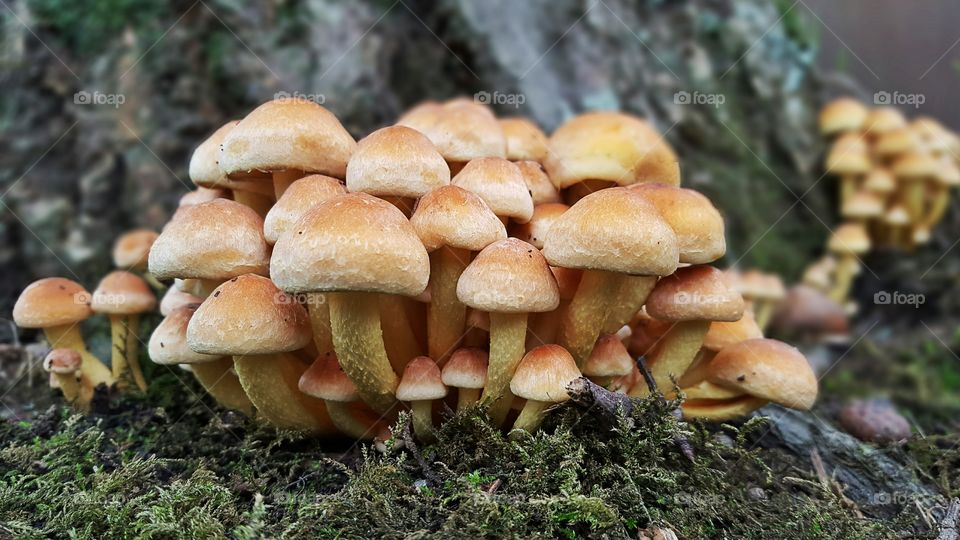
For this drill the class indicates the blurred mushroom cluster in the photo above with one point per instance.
(324, 284)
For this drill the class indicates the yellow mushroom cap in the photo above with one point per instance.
(452, 216)
(51, 302)
(396, 161)
(535, 230)
(696, 222)
(725, 333)
(883, 119)
(324, 379)
(544, 373)
(880, 180)
(699, 293)
(132, 248)
(897, 141)
(767, 369)
(168, 342)
(509, 276)
(460, 129)
(849, 238)
(300, 197)
(897, 216)
(500, 184)
(525, 141)
(862, 205)
(609, 358)
(948, 174)
(62, 361)
(842, 114)
(122, 293)
(916, 165)
(421, 381)
(538, 183)
(466, 368)
(848, 155)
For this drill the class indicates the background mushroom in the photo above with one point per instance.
(326, 380)
(467, 372)
(541, 379)
(421, 385)
(64, 366)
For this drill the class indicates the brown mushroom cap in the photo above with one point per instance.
(355, 242)
(326, 380)
(849, 238)
(461, 129)
(51, 302)
(131, 250)
(539, 185)
(301, 196)
(452, 216)
(525, 141)
(609, 358)
(883, 119)
(500, 184)
(696, 222)
(217, 240)
(168, 342)
(249, 315)
(396, 161)
(421, 381)
(466, 368)
(848, 155)
(807, 310)
(768, 369)
(122, 293)
(725, 333)
(509, 276)
(62, 361)
(535, 230)
(842, 114)
(700, 293)
(544, 373)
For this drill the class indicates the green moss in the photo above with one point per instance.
(86, 28)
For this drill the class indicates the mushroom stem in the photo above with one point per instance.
(466, 397)
(154, 282)
(259, 203)
(848, 187)
(342, 416)
(358, 342)
(940, 201)
(446, 315)
(585, 317)
(133, 351)
(203, 288)
(676, 352)
(630, 297)
(763, 312)
(68, 337)
(218, 379)
(914, 198)
(543, 327)
(271, 382)
(283, 179)
(531, 415)
(508, 333)
(697, 372)
(422, 413)
(708, 390)
(718, 409)
(70, 386)
(846, 270)
(398, 336)
(319, 312)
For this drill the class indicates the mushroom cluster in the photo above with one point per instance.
(322, 284)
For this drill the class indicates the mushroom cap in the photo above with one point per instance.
(396, 161)
(695, 293)
(897, 215)
(725, 333)
(807, 310)
(883, 119)
(948, 174)
(324, 379)
(461, 129)
(696, 222)
(613, 229)
(249, 315)
(819, 275)
(301, 196)
(132, 248)
(544, 373)
(921, 234)
(500, 184)
(525, 141)
(421, 381)
(842, 114)
(897, 141)
(916, 165)
(880, 180)
(51, 302)
(767, 369)
(287, 134)
(202, 195)
(609, 358)
(452, 216)
(849, 238)
(204, 168)
(848, 155)
(355, 242)
(538, 183)
(863, 205)
(535, 230)
(609, 146)
(509, 276)
(217, 240)
(122, 293)
(466, 368)
(168, 342)
(175, 298)
(62, 361)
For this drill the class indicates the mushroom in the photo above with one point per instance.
(64, 366)
(452, 223)
(205, 172)
(508, 279)
(202, 195)
(327, 381)
(848, 243)
(947, 178)
(544, 327)
(123, 297)
(761, 292)
(354, 248)
(131, 250)
(913, 171)
(880, 182)
(809, 314)
(721, 334)
(897, 225)
(849, 160)
(467, 372)
(862, 207)
(525, 141)
(895, 142)
(542, 379)
(534, 231)
(500, 184)
(609, 360)
(299, 198)
(420, 385)
(57, 306)
(842, 115)
(175, 298)
(882, 120)
(819, 275)
(538, 183)
(461, 130)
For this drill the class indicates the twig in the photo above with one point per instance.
(680, 440)
(425, 468)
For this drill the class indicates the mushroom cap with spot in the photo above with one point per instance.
(421, 381)
(883, 119)
(616, 230)
(767, 369)
(538, 183)
(355, 242)
(202, 195)
(204, 168)
(895, 142)
(525, 141)
(62, 361)
(509, 276)
(175, 298)
(287, 134)
(609, 146)
(535, 230)
(324, 379)
(460, 129)
(500, 184)
(696, 222)
(879, 180)
(544, 373)
(122, 293)
(916, 165)
(466, 368)
(396, 161)
(842, 114)
(132, 248)
(249, 315)
(849, 238)
(452, 216)
(51, 302)
(848, 155)
(725, 333)
(862, 205)
(609, 358)
(695, 293)
(301, 196)
(216, 240)
(168, 342)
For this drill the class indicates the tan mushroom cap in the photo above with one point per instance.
(168, 343)
(421, 381)
(51, 302)
(610, 146)
(539, 185)
(897, 216)
(848, 155)
(806, 309)
(842, 114)
(609, 358)
(287, 134)
(916, 165)
(500, 184)
(544, 373)
(122, 293)
(204, 166)
(863, 205)
(249, 315)
(509, 276)
(466, 368)
(301, 196)
(880, 180)
(452, 216)
(767, 369)
(616, 230)
(202, 195)
(752, 284)
(535, 230)
(219, 239)
(355, 242)
(396, 161)
(949, 173)
(175, 298)
(461, 129)
(883, 119)
(700, 293)
(62, 361)
(898, 141)
(696, 222)
(725, 333)
(324, 379)
(525, 141)
(849, 238)
(132, 249)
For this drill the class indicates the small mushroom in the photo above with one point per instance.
(420, 385)
(541, 379)
(849, 159)
(327, 381)
(205, 172)
(525, 141)
(500, 184)
(609, 360)
(467, 372)
(541, 189)
(131, 250)
(848, 243)
(842, 115)
(64, 366)
(461, 130)
(123, 297)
